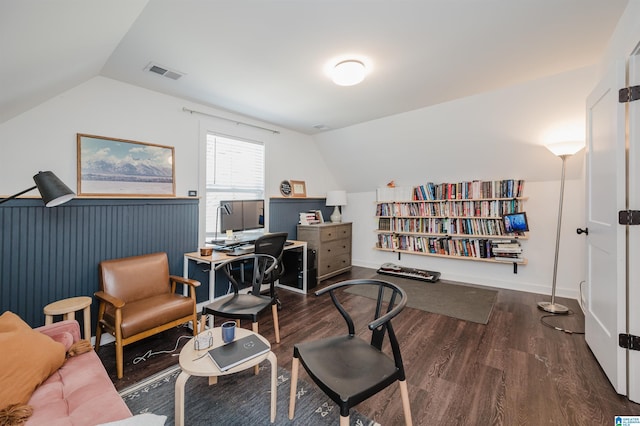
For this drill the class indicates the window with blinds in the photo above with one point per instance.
(235, 171)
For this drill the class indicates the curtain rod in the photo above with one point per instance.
(239, 123)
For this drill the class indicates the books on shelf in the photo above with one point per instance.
(237, 352)
(507, 188)
(455, 219)
(507, 250)
(397, 193)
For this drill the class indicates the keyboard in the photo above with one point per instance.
(242, 249)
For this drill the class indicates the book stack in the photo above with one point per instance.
(507, 251)
(310, 218)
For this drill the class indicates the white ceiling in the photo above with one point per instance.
(264, 58)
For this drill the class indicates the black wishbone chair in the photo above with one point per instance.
(348, 369)
(239, 306)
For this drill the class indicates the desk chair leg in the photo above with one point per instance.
(404, 393)
(276, 326)
(344, 421)
(294, 387)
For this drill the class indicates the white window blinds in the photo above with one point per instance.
(235, 171)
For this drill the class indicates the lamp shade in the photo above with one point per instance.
(53, 191)
(565, 148)
(336, 198)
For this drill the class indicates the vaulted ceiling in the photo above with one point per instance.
(265, 59)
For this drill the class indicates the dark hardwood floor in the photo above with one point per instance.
(512, 371)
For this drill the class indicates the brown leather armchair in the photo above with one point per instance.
(138, 299)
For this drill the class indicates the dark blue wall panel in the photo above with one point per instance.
(48, 254)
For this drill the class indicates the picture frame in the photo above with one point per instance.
(298, 188)
(120, 167)
(319, 216)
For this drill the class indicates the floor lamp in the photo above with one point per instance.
(52, 190)
(563, 150)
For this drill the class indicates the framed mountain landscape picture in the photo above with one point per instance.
(119, 167)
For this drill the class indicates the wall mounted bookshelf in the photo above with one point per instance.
(461, 220)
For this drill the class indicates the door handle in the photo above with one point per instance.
(582, 231)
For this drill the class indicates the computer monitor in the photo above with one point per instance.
(244, 215)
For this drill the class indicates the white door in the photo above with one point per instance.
(605, 304)
(634, 231)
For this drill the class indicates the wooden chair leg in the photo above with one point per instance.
(276, 326)
(119, 349)
(344, 421)
(119, 357)
(98, 336)
(101, 309)
(294, 387)
(194, 323)
(406, 408)
(254, 328)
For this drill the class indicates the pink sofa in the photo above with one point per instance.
(78, 393)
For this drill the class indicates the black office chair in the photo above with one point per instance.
(249, 306)
(348, 369)
(273, 244)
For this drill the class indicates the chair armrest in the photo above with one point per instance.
(57, 328)
(182, 280)
(114, 301)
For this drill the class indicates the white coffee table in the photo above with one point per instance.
(192, 364)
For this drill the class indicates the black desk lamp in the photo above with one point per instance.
(53, 191)
(224, 209)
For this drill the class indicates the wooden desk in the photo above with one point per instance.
(218, 257)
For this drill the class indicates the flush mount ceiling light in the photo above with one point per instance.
(348, 72)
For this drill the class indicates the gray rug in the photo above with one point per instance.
(238, 399)
(446, 298)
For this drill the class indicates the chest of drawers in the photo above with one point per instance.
(332, 242)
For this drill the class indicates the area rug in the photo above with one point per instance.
(238, 399)
(445, 298)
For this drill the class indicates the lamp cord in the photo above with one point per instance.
(564, 330)
(150, 353)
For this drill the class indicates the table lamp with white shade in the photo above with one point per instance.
(336, 199)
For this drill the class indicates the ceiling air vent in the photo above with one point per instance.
(163, 71)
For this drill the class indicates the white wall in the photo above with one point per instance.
(44, 138)
(490, 136)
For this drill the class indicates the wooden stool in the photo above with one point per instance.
(68, 308)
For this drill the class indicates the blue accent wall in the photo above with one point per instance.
(48, 254)
(284, 213)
